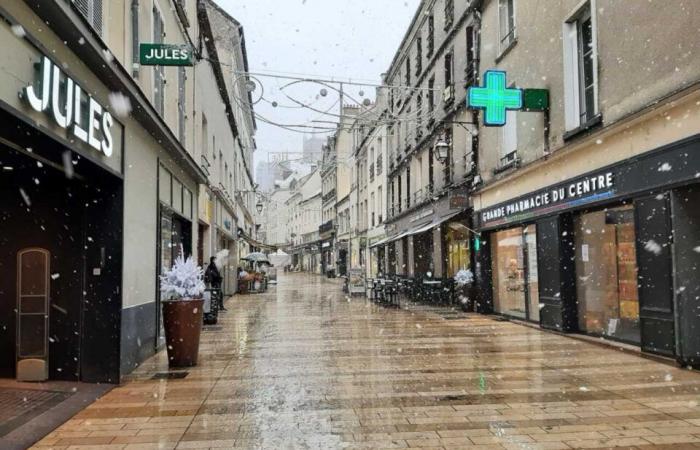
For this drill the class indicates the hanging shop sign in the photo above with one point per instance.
(495, 99)
(71, 107)
(459, 199)
(153, 54)
(582, 190)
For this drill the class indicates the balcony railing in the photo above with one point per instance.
(328, 195)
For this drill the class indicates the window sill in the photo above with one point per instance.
(506, 50)
(596, 121)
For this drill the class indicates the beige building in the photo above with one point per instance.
(588, 211)
(345, 163)
(431, 140)
(117, 147)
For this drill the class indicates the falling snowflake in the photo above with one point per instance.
(121, 104)
(18, 30)
(665, 167)
(653, 247)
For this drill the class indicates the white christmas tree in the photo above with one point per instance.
(185, 280)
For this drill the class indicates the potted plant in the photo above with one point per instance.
(463, 282)
(182, 287)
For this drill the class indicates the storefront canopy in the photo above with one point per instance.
(418, 229)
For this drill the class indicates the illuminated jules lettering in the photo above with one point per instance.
(66, 100)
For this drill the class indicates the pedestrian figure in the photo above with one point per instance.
(213, 277)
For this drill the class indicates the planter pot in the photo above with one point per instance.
(182, 321)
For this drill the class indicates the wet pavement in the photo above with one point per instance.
(304, 366)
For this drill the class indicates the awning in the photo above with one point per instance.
(418, 229)
(379, 242)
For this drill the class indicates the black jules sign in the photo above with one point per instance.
(581, 190)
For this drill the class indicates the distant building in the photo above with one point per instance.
(312, 148)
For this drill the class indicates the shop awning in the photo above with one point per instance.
(418, 229)
(379, 242)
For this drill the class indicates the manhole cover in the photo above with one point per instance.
(169, 375)
(19, 406)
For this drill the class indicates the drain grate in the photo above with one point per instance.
(169, 375)
(213, 328)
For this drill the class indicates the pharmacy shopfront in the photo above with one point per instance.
(612, 253)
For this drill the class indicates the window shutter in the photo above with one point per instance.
(82, 6)
(571, 87)
(92, 11)
(96, 14)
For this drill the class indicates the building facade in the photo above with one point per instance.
(431, 142)
(102, 172)
(588, 211)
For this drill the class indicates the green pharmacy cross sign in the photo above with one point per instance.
(165, 55)
(495, 98)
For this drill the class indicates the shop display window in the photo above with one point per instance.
(457, 245)
(606, 274)
(514, 265)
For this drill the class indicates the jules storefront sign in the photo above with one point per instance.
(579, 191)
(165, 55)
(71, 107)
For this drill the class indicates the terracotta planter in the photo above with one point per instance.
(182, 321)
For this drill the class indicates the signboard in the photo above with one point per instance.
(459, 199)
(581, 190)
(356, 281)
(151, 54)
(495, 98)
(94, 126)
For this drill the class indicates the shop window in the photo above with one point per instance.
(177, 196)
(457, 244)
(515, 276)
(606, 274)
(165, 186)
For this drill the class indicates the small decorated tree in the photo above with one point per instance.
(182, 287)
(463, 281)
(183, 281)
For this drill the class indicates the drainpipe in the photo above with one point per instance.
(135, 38)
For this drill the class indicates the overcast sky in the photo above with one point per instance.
(342, 39)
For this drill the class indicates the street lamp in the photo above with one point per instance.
(259, 206)
(442, 148)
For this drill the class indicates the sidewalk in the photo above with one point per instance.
(306, 366)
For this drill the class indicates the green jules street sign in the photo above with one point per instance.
(165, 55)
(495, 98)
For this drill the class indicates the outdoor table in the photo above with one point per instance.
(432, 287)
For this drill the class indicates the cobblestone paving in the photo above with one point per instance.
(304, 366)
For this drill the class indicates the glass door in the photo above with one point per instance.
(532, 291)
(514, 264)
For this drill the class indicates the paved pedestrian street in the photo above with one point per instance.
(305, 366)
